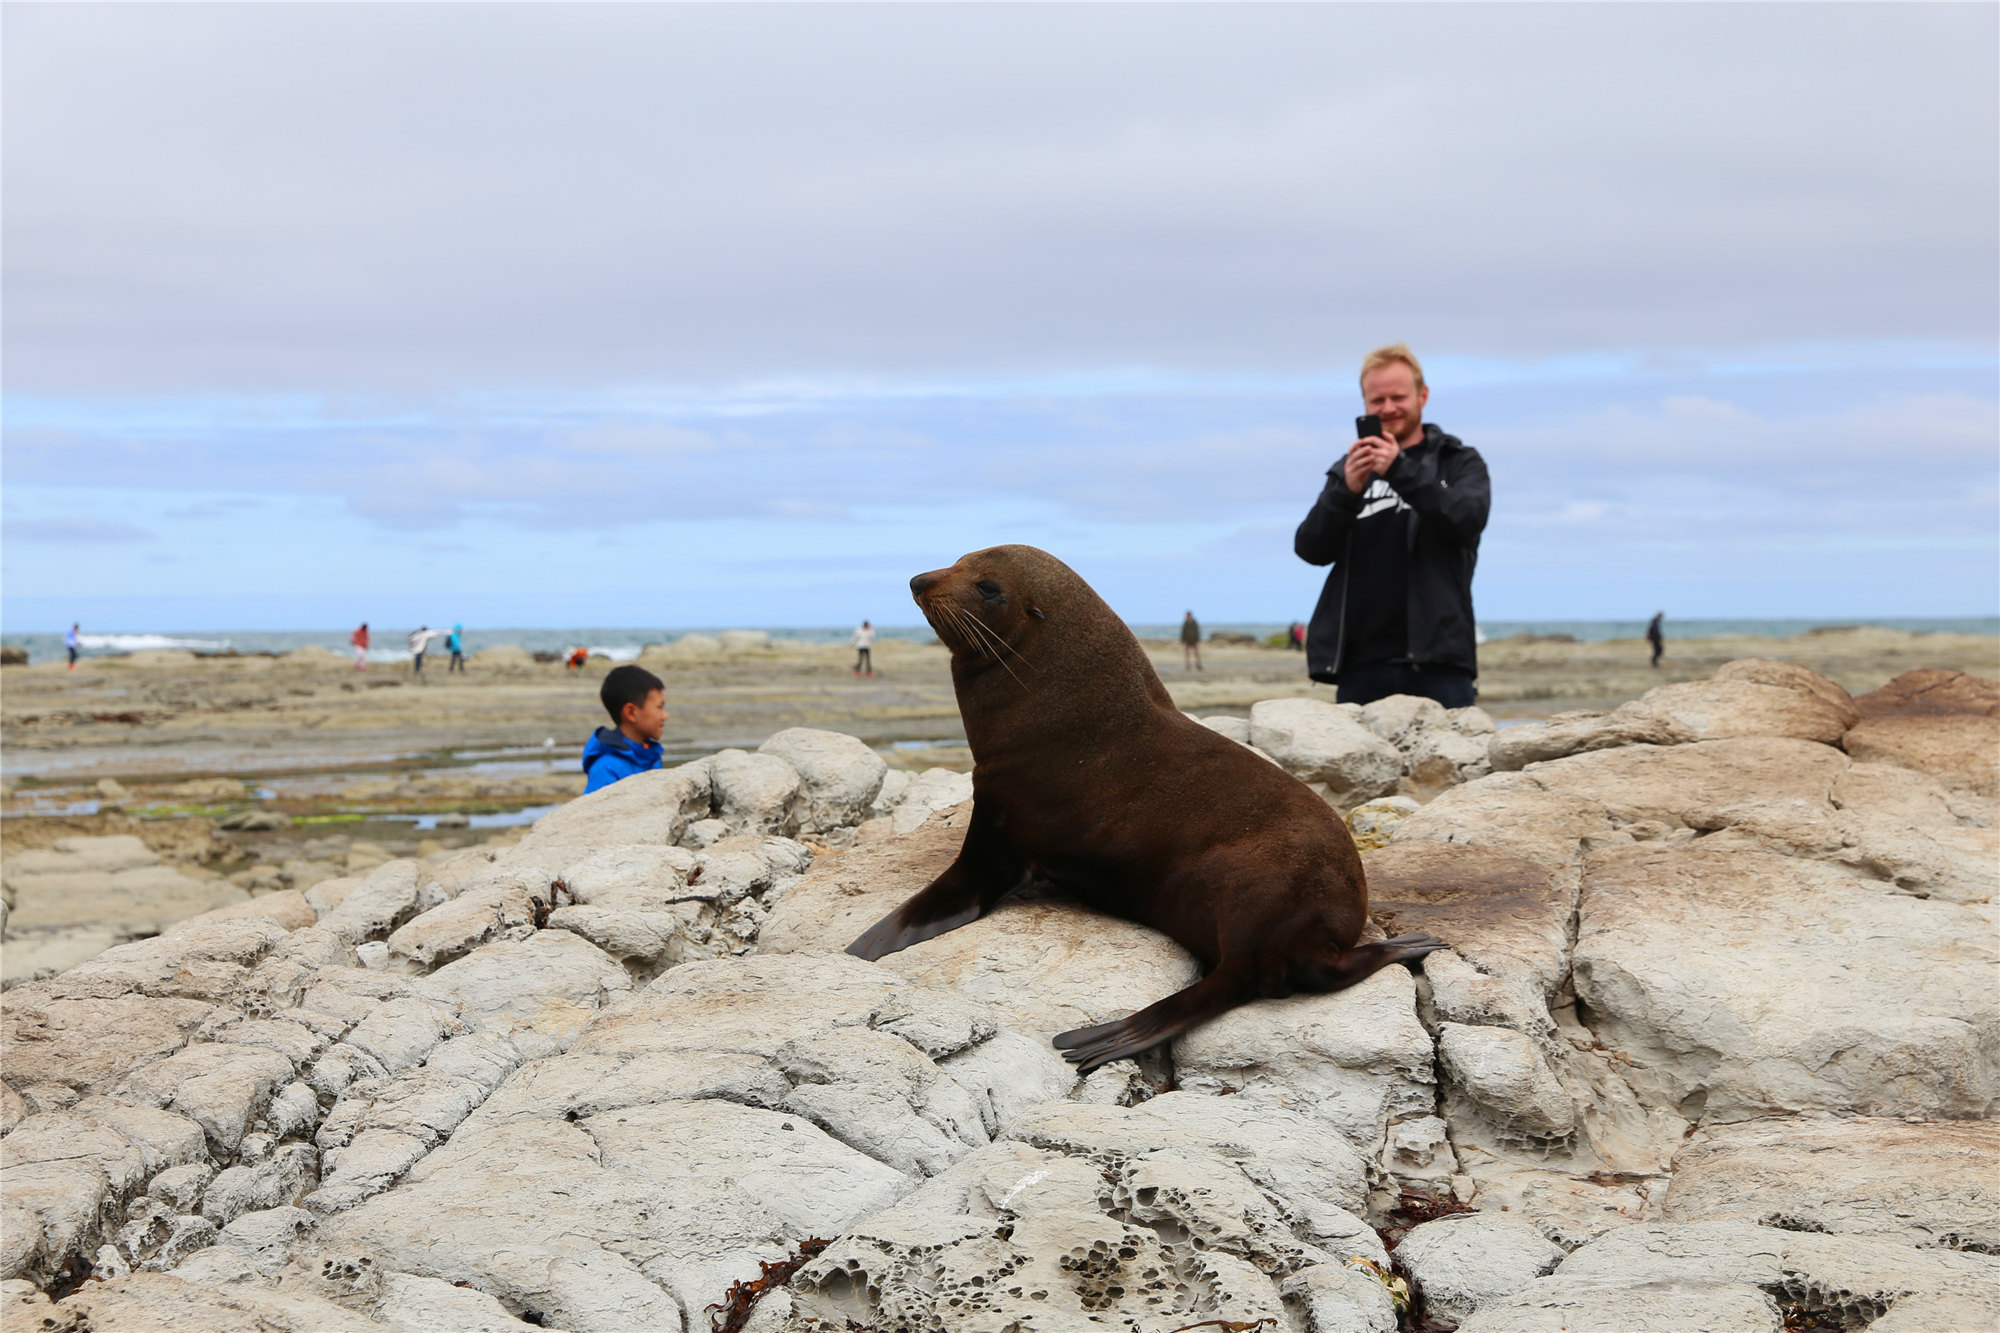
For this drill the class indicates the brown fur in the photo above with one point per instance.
(1086, 774)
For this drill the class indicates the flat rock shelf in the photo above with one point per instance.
(1716, 1045)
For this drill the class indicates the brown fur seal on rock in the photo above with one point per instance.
(1086, 774)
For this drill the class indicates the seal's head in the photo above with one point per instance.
(991, 604)
(1022, 624)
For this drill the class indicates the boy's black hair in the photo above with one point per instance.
(627, 684)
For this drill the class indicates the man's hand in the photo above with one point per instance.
(1367, 460)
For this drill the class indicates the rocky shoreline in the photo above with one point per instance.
(1716, 1046)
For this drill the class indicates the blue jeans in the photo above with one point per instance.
(1450, 686)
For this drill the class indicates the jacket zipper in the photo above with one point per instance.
(1346, 569)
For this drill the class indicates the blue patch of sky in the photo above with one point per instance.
(1749, 484)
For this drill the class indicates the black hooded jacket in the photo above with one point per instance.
(1445, 495)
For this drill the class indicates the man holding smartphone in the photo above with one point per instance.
(1399, 521)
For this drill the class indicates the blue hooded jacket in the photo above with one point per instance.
(609, 755)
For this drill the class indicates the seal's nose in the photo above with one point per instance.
(922, 582)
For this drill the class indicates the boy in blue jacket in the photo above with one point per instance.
(637, 702)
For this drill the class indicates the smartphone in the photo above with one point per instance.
(1367, 426)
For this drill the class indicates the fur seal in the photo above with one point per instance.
(1086, 774)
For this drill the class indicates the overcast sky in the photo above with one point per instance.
(632, 314)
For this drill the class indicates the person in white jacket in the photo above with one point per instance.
(864, 649)
(419, 641)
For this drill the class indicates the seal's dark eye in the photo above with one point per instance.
(989, 590)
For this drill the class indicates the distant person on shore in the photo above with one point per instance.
(1399, 520)
(1297, 636)
(360, 641)
(637, 702)
(577, 657)
(456, 642)
(419, 641)
(73, 641)
(864, 649)
(1657, 637)
(1190, 643)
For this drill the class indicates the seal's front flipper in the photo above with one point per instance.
(926, 916)
(1217, 993)
(981, 876)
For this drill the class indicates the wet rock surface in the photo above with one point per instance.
(1714, 1047)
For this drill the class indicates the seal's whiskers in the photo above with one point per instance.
(980, 637)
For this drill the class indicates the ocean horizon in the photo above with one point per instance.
(624, 644)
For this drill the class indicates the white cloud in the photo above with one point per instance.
(199, 198)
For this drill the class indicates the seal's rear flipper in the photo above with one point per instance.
(1345, 967)
(1217, 993)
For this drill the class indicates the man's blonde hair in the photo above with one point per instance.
(1391, 355)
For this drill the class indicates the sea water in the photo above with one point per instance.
(622, 645)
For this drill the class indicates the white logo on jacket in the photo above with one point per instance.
(1379, 497)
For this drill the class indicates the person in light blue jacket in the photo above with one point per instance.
(637, 702)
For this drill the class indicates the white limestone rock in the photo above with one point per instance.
(401, 1032)
(1445, 757)
(180, 1187)
(1636, 1305)
(60, 1175)
(620, 1220)
(265, 1239)
(1337, 1298)
(1046, 966)
(1357, 1060)
(1468, 1260)
(499, 904)
(648, 809)
(1320, 744)
(632, 878)
(166, 1301)
(537, 992)
(839, 777)
(843, 1043)
(368, 1163)
(894, 783)
(703, 832)
(428, 1305)
(1816, 991)
(1371, 821)
(754, 792)
(441, 878)
(105, 855)
(1471, 721)
(1513, 813)
(384, 900)
(1006, 1074)
(932, 791)
(1855, 1277)
(1018, 1238)
(1401, 719)
(164, 1140)
(1507, 1074)
(1236, 728)
(877, 1093)
(213, 960)
(1751, 697)
(1928, 1184)
(1294, 1156)
(278, 1181)
(220, 1086)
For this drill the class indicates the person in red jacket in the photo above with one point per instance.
(360, 641)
